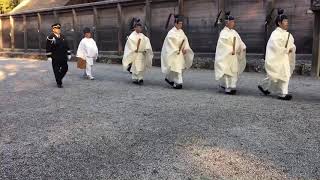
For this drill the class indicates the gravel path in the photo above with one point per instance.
(112, 129)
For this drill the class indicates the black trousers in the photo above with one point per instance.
(60, 69)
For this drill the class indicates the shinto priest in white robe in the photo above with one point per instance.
(279, 62)
(173, 62)
(140, 58)
(228, 67)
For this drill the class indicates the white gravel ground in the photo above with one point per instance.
(112, 129)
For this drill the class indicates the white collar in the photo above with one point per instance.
(281, 30)
(57, 35)
(226, 28)
(176, 29)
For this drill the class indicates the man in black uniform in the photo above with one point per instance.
(58, 52)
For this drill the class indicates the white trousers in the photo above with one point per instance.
(279, 87)
(175, 77)
(229, 82)
(88, 70)
(137, 75)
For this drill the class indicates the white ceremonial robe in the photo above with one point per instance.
(228, 67)
(141, 60)
(174, 63)
(279, 63)
(88, 50)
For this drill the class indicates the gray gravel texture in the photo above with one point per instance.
(112, 129)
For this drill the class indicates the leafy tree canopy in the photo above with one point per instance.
(8, 5)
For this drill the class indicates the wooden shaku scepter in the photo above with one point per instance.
(234, 46)
(180, 48)
(287, 43)
(138, 45)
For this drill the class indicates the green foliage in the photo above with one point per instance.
(8, 5)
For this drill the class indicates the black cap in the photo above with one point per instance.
(281, 16)
(177, 18)
(228, 17)
(134, 23)
(86, 30)
(56, 25)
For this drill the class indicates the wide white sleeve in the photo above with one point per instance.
(129, 53)
(188, 57)
(81, 52)
(292, 55)
(97, 50)
(149, 53)
(277, 44)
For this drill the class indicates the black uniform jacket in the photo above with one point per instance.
(57, 48)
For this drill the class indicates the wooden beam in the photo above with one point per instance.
(39, 31)
(316, 45)
(120, 26)
(25, 35)
(181, 7)
(75, 30)
(148, 18)
(96, 24)
(12, 36)
(1, 39)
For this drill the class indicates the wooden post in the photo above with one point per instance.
(181, 7)
(39, 31)
(75, 30)
(1, 40)
(96, 24)
(268, 26)
(222, 8)
(55, 16)
(12, 33)
(120, 32)
(316, 45)
(25, 35)
(148, 18)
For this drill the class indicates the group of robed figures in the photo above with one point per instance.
(177, 56)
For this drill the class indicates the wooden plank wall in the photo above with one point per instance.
(107, 30)
(301, 23)
(127, 14)
(65, 19)
(6, 38)
(199, 25)
(18, 33)
(32, 32)
(201, 16)
(159, 15)
(47, 21)
(250, 18)
(84, 19)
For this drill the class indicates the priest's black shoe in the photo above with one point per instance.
(287, 97)
(169, 82)
(222, 87)
(140, 82)
(129, 68)
(232, 92)
(265, 92)
(177, 86)
(135, 81)
(59, 86)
